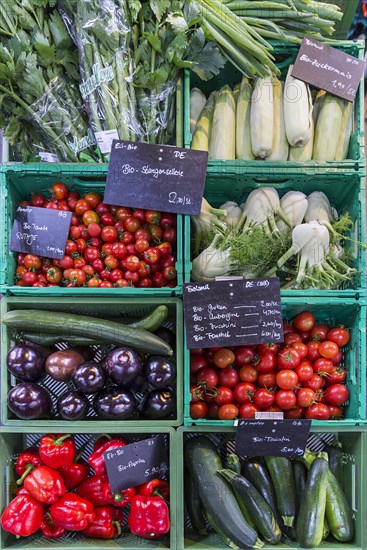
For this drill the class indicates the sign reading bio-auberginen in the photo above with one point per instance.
(159, 177)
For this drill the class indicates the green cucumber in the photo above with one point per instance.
(194, 505)
(233, 463)
(310, 521)
(204, 463)
(56, 322)
(256, 505)
(52, 339)
(153, 320)
(281, 473)
(258, 474)
(300, 480)
(335, 454)
(338, 512)
(215, 527)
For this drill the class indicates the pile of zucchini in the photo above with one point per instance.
(266, 500)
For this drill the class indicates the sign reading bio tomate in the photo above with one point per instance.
(158, 177)
(328, 68)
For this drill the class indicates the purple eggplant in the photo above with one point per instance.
(72, 405)
(89, 377)
(160, 371)
(123, 365)
(158, 404)
(167, 335)
(115, 403)
(29, 401)
(26, 363)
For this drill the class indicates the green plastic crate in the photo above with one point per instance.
(19, 181)
(351, 314)
(109, 308)
(346, 194)
(13, 442)
(285, 55)
(354, 442)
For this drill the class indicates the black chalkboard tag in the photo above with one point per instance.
(272, 437)
(40, 231)
(159, 177)
(328, 68)
(233, 312)
(136, 463)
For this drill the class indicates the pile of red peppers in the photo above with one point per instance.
(58, 492)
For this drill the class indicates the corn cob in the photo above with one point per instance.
(280, 146)
(262, 117)
(201, 137)
(243, 125)
(345, 131)
(223, 134)
(328, 128)
(297, 103)
(197, 102)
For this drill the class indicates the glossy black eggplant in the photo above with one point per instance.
(29, 401)
(26, 363)
(72, 405)
(158, 404)
(160, 371)
(167, 335)
(89, 377)
(123, 365)
(115, 403)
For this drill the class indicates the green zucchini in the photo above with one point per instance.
(204, 463)
(153, 320)
(56, 322)
(45, 339)
(281, 473)
(300, 479)
(258, 508)
(335, 454)
(194, 505)
(338, 512)
(215, 527)
(233, 463)
(258, 474)
(310, 521)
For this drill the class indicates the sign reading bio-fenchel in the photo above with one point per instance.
(272, 437)
(40, 231)
(233, 313)
(156, 177)
(328, 68)
(136, 463)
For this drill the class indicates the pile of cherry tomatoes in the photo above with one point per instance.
(108, 246)
(303, 377)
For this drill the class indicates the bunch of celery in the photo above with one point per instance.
(131, 54)
(297, 238)
(242, 28)
(272, 121)
(40, 104)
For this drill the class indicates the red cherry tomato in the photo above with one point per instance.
(337, 375)
(336, 394)
(304, 321)
(198, 410)
(328, 349)
(213, 410)
(59, 190)
(93, 199)
(305, 397)
(228, 377)
(244, 392)
(227, 412)
(207, 377)
(197, 362)
(301, 349)
(31, 261)
(294, 413)
(337, 358)
(107, 219)
(323, 366)
(224, 358)
(272, 348)
(264, 398)
(248, 373)
(288, 358)
(313, 350)
(29, 278)
(339, 336)
(108, 234)
(291, 338)
(197, 393)
(318, 411)
(335, 412)
(304, 370)
(315, 383)
(319, 332)
(286, 379)
(248, 410)
(267, 379)
(267, 362)
(224, 396)
(244, 356)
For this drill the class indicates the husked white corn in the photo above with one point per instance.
(328, 128)
(197, 102)
(280, 146)
(297, 103)
(223, 134)
(201, 137)
(243, 123)
(262, 118)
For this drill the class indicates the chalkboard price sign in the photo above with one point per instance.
(272, 437)
(233, 313)
(40, 231)
(136, 463)
(160, 177)
(328, 68)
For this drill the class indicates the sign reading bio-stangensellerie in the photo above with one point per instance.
(328, 68)
(40, 231)
(233, 313)
(158, 177)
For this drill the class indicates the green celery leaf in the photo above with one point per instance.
(59, 33)
(134, 6)
(46, 51)
(191, 13)
(154, 41)
(208, 59)
(176, 48)
(177, 21)
(159, 7)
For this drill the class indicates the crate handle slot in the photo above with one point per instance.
(271, 180)
(354, 488)
(91, 180)
(355, 369)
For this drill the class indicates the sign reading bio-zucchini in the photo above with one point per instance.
(40, 231)
(328, 68)
(156, 177)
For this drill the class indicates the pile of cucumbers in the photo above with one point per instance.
(268, 500)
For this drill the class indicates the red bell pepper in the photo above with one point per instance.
(57, 450)
(45, 485)
(100, 441)
(149, 517)
(26, 462)
(96, 459)
(95, 489)
(22, 517)
(154, 487)
(124, 497)
(74, 474)
(106, 524)
(49, 530)
(72, 512)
